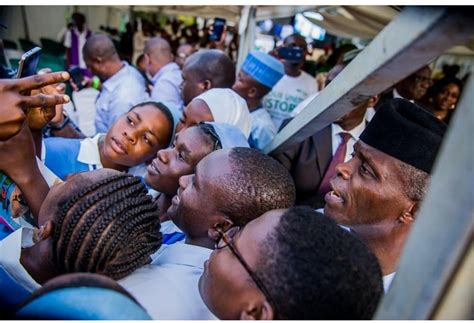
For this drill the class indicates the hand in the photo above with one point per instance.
(14, 103)
(219, 44)
(86, 82)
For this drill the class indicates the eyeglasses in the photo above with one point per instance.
(226, 240)
(422, 79)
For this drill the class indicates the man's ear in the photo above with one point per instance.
(252, 93)
(222, 224)
(408, 216)
(258, 311)
(44, 232)
(207, 85)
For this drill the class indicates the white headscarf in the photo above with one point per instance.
(228, 107)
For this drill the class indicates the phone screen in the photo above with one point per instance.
(29, 62)
(218, 28)
(294, 54)
(77, 77)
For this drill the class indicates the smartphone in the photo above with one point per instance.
(77, 77)
(293, 54)
(217, 29)
(29, 63)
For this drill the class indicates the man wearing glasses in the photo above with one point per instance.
(412, 88)
(291, 264)
(230, 187)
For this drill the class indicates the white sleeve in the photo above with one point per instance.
(67, 39)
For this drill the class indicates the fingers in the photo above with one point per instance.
(37, 81)
(42, 100)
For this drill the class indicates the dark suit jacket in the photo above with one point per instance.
(307, 163)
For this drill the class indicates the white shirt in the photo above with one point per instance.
(287, 94)
(119, 94)
(337, 139)
(89, 154)
(387, 281)
(397, 95)
(263, 130)
(10, 253)
(166, 83)
(168, 287)
(81, 37)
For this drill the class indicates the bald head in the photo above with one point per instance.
(158, 52)
(212, 65)
(99, 47)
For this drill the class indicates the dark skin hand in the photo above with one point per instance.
(19, 163)
(15, 101)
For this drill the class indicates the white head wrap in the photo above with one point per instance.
(228, 107)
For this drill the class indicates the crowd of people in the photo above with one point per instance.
(173, 207)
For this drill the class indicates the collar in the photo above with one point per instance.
(355, 132)
(89, 151)
(171, 66)
(113, 81)
(397, 95)
(10, 253)
(181, 254)
(387, 281)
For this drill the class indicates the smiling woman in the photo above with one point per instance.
(133, 139)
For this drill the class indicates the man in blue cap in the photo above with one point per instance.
(259, 73)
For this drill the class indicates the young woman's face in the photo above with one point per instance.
(195, 112)
(137, 135)
(448, 97)
(188, 148)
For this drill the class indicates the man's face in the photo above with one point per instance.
(137, 135)
(195, 112)
(243, 84)
(188, 148)
(368, 191)
(191, 86)
(416, 85)
(198, 198)
(225, 286)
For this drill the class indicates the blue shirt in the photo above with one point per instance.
(166, 83)
(263, 129)
(119, 94)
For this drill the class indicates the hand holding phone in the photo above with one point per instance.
(77, 77)
(217, 29)
(29, 63)
(292, 54)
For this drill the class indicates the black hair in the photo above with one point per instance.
(213, 65)
(99, 45)
(166, 111)
(415, 181)
(440, 84)
(109, 227)
(257, 184)
(210, 135)
(315, 270)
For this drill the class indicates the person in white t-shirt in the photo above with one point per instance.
(74, 40)
(295, 86)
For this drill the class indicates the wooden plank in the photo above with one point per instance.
(443, 229)
(414, 38)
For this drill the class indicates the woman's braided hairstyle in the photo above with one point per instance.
(110, 227)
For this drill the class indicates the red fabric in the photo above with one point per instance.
(338, 158)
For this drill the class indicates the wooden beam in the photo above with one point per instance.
(414, 38)
(443, 229)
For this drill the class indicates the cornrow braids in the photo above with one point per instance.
(109, 227)
(211, 135)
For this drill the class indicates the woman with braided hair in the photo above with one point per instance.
(99, 222)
